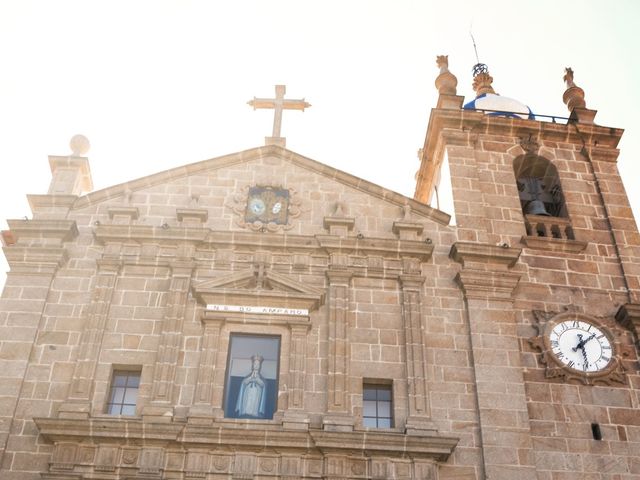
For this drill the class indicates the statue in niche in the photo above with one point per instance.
(252, 396)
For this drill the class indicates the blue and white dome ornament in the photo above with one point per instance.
(489, 102)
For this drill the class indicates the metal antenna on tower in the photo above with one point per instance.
(478, 67)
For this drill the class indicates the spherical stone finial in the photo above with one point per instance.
(79, 145)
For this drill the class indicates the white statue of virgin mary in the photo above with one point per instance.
(252, 395)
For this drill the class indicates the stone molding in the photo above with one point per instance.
(256, 287)
(479, 255)
(554, 244)
(148, 447)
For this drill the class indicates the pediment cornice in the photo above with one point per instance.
(258, 286)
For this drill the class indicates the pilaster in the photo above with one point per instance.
(78, 404)
(162, 401)
(338, 417)
(418, 419)
(488, 284)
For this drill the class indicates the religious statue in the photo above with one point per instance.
(252, 395)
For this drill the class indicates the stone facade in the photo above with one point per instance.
(360, 286)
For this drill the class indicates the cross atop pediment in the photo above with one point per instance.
(279, 103)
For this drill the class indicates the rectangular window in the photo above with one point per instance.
(124, 392)
(251, 386)
(377, 406)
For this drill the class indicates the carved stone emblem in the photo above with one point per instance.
(266, 208)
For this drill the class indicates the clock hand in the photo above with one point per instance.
(593, 335)
(580, 344)
(584, 355)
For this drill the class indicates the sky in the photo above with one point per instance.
(155, 84)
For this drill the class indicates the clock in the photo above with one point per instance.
(267, 205)
(576, 346)
(580, 345)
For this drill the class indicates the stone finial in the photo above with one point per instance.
(79, 145)
(446, 82)
(71, 174)
(482, 80)
(573, 96)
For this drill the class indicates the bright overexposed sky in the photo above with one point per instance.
(155, 84)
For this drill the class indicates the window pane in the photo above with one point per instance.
(128, 410)
(117, 394)
(130, 396)
(119, 380)
(369, 408)
(113, 409)
(369, 422)
(133, 380)
(384, 393)
(384, 423)
(369, 393)
(384, 409)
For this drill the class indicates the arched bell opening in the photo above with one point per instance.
(539, 187)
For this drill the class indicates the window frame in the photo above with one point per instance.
(129, 373)
(226, 396)
(378, 387)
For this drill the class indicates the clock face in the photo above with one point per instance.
(257, 206)
(580, 345)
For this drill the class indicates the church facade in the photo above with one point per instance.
(264, 316)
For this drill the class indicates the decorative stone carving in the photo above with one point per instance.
(107, 458)
(573, 95)
(151, 461)
(64, 456)
(446, 82)
(239, 203)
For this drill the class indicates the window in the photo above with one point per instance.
(251, 387)
(124, 392)
(377, 406)
(539, 187)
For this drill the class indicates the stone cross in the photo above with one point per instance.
(278, 104)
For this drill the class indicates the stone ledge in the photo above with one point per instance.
(251, 436)
(554, 244)
(484, 256)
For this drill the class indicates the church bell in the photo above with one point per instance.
(536, 207)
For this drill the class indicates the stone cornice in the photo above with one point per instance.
(388, 248)
(252, 241)
(483, 256)
(444, 122)
(145, 233)
(35, 259)
(487, 285)
(437, 447)
(485, 273)
(60, 230)
(249, 436)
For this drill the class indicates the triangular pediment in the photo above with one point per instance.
(258, 286)
(207, 166)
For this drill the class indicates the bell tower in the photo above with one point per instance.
(539, 181)
(544, 233)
